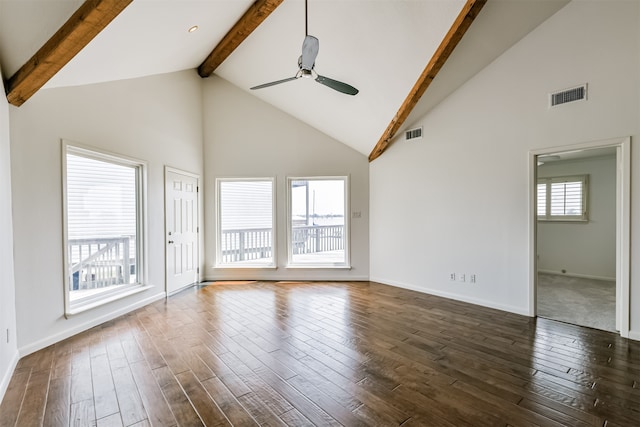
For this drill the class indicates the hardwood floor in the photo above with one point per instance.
(304, 354)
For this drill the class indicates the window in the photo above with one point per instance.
(245, 223)
(104, 227)
(562, 198)
(318, 226)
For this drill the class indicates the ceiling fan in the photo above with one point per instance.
(306, 64)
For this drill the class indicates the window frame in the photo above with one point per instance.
(142, 274)
(218, 264)
(347, 224)
(549, 181)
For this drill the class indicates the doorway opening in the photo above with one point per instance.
(580, 234)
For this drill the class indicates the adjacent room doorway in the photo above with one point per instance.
(580, 234)
(181, 229)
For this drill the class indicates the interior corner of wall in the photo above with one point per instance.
(6, 376)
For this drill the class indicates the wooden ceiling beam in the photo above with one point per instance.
(86, 23)
(460, 26)
(252, 18)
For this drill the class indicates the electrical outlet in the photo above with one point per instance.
(462, 277)
(472, 278)
(452, 277)
(356, 214)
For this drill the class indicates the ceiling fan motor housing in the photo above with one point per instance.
(310, 48)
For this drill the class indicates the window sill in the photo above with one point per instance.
(319, 267)
(578, 221)
(245, 267)
(89, 305)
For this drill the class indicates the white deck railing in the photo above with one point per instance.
(253, 244)
(99, 262)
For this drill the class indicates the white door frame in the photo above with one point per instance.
(198, 202)
(623, 227)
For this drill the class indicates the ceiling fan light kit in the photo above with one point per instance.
(306, 65)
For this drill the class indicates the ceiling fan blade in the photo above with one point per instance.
(310, 48)
(277, 82)
(336, 85)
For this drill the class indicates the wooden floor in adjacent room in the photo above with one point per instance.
(348, 354)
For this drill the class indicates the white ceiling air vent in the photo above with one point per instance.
(578, 93)
(413, 134)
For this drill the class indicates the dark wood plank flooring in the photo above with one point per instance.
(326, 354)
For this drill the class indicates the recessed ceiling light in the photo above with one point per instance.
(192, 29)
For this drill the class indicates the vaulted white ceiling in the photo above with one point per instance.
(378, 46)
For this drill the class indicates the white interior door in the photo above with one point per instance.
(181, 228)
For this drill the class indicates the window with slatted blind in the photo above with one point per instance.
(245, 223)
(562, 198)
(104, 223)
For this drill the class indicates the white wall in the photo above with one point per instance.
(157, 119)
(8, 350)
(583, 249)
(458, 200)
(245, 137)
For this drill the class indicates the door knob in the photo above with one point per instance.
(170, 241)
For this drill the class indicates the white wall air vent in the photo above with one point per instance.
(578, 93)
(413, 134)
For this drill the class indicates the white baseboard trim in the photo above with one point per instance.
(457, 297)
(634, 335)
(6, 377)
(38, 345)
(293, 278)
(581, 276)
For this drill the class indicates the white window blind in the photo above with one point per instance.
(101, 198)
(542, 199)
(566, 198)
(245, 223)
(562, 198)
